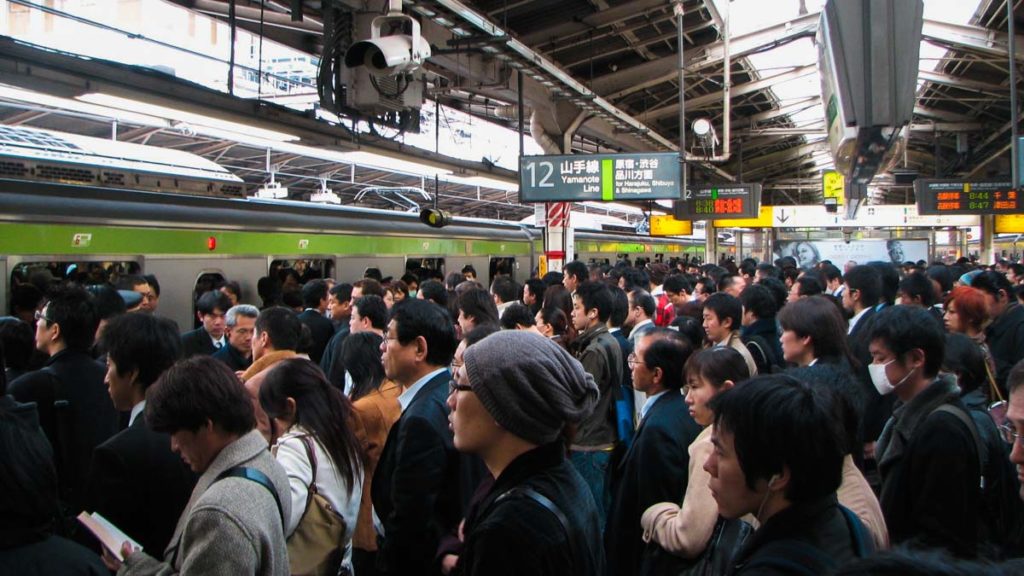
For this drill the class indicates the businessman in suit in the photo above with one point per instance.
(416, 486)
(135, 480)
(208, 338)
(655, 468)
(314, 298)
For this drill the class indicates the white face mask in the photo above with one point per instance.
(881, 380)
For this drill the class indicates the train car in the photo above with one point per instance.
(189, 241)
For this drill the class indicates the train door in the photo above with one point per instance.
(425, 268)
(502, 266)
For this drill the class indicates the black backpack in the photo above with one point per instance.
(763, 354)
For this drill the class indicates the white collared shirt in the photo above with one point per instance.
(855, 319)
(136, 410)
(614, 330)
(650, 402)
(405, 398)
(218, 344)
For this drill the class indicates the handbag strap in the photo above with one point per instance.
(307, 442)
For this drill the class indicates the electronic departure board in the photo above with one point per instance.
(599, 177)
(719, 202)
(966, 197)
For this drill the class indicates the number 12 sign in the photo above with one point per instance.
(599, 177)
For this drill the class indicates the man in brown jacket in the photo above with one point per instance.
(277, 336)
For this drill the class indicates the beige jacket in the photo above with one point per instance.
(737, 344)
(855, 493)
(253, 379)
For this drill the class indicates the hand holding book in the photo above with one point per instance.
(116, 544)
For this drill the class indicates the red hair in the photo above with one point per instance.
(970, 306)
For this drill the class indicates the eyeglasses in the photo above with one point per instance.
(1010, 434)
(40, 316)
(632, 360)
(454, 387)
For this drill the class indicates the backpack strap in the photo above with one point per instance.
(858, 531)
(258, 477)
(548, 505)
(967, 421)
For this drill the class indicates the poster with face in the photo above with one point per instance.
(808, 253)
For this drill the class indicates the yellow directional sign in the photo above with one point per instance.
(669, 226)
(833, 185)
(763, 220)
(1009, 224)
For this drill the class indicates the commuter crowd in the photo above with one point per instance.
(641, 418)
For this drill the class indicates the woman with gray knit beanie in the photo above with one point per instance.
(510, 401)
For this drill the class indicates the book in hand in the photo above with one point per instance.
(109, 535)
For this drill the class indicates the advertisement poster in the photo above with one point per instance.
(809, 253)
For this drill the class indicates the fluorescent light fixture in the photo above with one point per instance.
(39, 99)
(371, 159)
(188, 117)
(484, 182)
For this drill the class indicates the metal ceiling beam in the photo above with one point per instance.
(942, 114)
(594, 21)
(971, 38)
(737, 90)
(785, 110)
(625, 82)
(786, 155)
(962, 83)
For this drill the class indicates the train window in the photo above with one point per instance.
(74, 271)
(502, 266)
(301, 270)
(424, 267)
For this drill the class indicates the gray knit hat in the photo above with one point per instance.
(530, 385)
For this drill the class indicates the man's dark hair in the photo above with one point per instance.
(993, 282)
(809, 285)
(767, 270)
(435, 292)
(748, 267)
(537, 288)
(153, 283)
(71, 307)
(195, 390)
(726, 281)
(373, 273)
(677, 284)
(596, 296)
(141, 342)
(213, 300)
(691, 329)
(964, 358)
(479, 333)
(726, 307)
(636, 278)
(890, 277)
(374, 309)
(314, 292)
(643, 300)
(620, 307)
(1016, 377)
(777, 290)
(283, 327)
(369, 286)
(779, 422)
(918, 285)
(505, 288)
(819, 318)
(867, 281)
(25, 297)
(941, 274)
(577, 270)
(416, 318)
(759, 301)
(17, 341)
(517, 315)
(468, 268)
(552, 278)
(830, 272)
(478, 304)
(669, 351)
(905, 328)
(848, 395)
(707, 285)
(342, 291)
(28, 481)
(130, 281)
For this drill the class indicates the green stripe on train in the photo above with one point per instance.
(71, 239)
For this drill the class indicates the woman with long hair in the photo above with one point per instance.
(312, 428)
(813, 330)
(685, 530)
(376, 405)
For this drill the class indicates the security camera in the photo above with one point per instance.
(389, 55)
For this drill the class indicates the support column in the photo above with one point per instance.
(987, 226)
(711, 244)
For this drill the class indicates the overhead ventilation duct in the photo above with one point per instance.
(44, 155)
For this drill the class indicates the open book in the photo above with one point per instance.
(109, 535)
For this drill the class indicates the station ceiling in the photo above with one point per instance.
(607, 72)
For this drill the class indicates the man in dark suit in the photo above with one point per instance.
(339, 309)
(208, 338)
(861, 294)
(241, 324)
(314, 298)
(135, 480)
(74, 409)
(655, 468)
(416, 487)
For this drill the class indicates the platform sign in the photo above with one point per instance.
(667, 225)
(763, 220)
(833, 185)
(1009, 224)
(966, 197)
(719, 201)
(599, 177)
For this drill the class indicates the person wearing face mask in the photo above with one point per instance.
(927, 456)
(778, 454)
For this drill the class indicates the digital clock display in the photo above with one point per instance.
(724, 201)
(965, 197)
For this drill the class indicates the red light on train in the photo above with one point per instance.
(211, 243)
